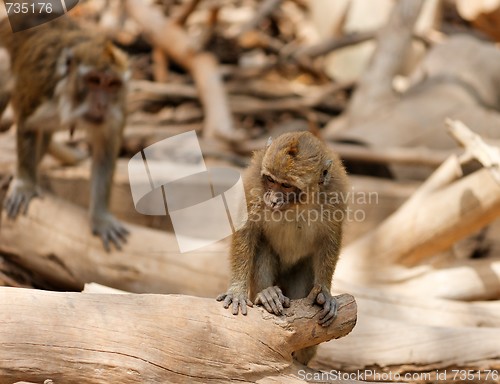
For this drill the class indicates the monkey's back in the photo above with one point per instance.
(34, 59)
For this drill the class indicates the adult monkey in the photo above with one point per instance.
(66, 78)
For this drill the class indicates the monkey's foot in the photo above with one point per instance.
(239, 301)
(110, 230)
(273, 300)
(329, 311)
(19, 200)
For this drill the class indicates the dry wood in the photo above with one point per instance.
(424, 229)
(419, 309)
(457, 79)
(333, 43)
(463, 280)
(483, 14)
(182, 17)
(476, 148)
(62, 249)
(393, 41)
(390, 343)
(203, 66)
(160, 65)
(107, 338)
(277, 101)
(265, 9)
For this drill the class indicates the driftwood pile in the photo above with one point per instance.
(421, 254)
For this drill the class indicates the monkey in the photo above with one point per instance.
(66, 78)
(291, 240)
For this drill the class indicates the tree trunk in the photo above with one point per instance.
(106, 338)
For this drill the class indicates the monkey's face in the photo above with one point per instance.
(278, 195)
(100, 92)
(93, 83)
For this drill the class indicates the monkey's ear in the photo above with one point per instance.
(325, 176)
(64, 62)
(269, 141)
(117, 56)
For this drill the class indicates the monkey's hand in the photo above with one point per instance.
(273, 300)
(19, 200)
(238, 298)
(109, 230)
(329, 311)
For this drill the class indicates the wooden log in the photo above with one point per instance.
(416, 308)
(107, 338)
(61, 248)
(390, 343)
(432, 226)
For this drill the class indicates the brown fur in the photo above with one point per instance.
(51, 91)
(296, 254)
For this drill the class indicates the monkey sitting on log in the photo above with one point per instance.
(66, 78)
(291, 242)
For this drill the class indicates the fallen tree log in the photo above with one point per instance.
(62, 248)
(392, 344)
(102, 338)
(464, 207)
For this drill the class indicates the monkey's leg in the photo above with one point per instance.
(268, 295)
(31, 146)
(243, 250)
(105, 146)
(298, 281)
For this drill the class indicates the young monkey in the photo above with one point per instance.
(66, 78)
(291, 241)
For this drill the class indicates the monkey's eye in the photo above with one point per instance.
(115, 84)
(269, 179)
(286, 186)
(93, 80)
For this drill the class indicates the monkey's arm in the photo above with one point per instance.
(105, 147)
(243, 251)
(266, 269)
(324, 266)
(31, 146)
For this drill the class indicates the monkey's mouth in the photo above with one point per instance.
(274, 202)
(94, 119)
